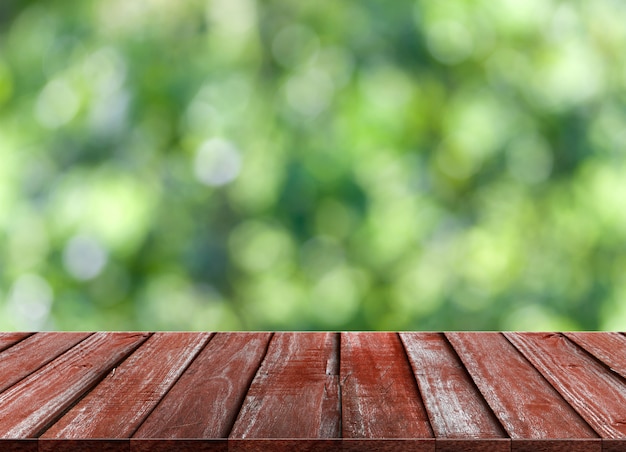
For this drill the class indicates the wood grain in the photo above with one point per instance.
(604, 346)
(455, 407)
(36, 401)
(9, 339)
(380, 398)
(598, 396)
(32, 353)
(249, 392)
(118, 405)
(205, 401)
(524, 402)
(297, 376)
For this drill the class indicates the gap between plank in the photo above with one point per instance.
(486, 403)
(417, 386)
(211, 336)
(519, 352)
(55, 419)
(337, 339)
(45, 364)
(597, 359)
(18, 341)
(243, 399)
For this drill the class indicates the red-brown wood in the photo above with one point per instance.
(206, 399)
(599, 396)
(613, 445)
(524, 402)
(84, 445)
(178, 445)
(557, 445)
(604, 346)
(118, 405)
(284, 394)
(292, 394)
(455, 407)
(388, 445)
(8, 339)
(285, 445)
(473, 445)
(39, 399)
(32, 353)
(380, 398)
(18, 445)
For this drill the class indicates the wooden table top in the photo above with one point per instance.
(315, 391)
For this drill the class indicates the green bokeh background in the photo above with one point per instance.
(336, 165)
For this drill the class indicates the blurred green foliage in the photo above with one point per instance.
(275, 164)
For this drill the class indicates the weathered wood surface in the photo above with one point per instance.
(32, 353)
(207, 398)
(32, 404)
(9, 339)
(599, 396)
(380, 398)
(607, 347)
(472, 392)
(118, 405)
(298, 375)
(526, 405)
(455, 407)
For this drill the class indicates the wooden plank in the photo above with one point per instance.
(294, 393)
(599, 396)
(32, 353)
(36, 401)
(455, 407)
(380, 398)
(205, 401)
(9, 339)
(524, 402)
(118, 405)
(603, 346)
